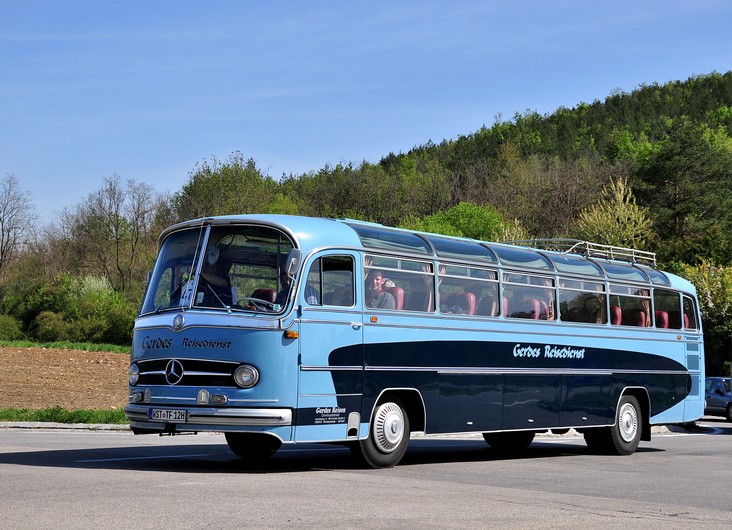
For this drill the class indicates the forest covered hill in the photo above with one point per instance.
(651, 168)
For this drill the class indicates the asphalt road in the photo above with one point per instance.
(85, 479)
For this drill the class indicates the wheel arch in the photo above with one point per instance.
(644, 400)
(411, 400)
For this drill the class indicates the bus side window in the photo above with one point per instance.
(631, 308)
(689, 314)
(666, 309)
(336, 282)
(406, 284)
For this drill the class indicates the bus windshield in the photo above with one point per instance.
(226, 267)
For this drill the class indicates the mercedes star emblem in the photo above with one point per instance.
(174, 372)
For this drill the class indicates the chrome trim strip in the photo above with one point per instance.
(314, 368)
(499, 370)
(559, 330)
(330, 395)
(239, 319)
(254, 401)
(216, 416)
(489, 370)
(172, 398)
(195, 359)
(226, 374)
(349, 323)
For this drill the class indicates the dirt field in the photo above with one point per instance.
(36, 378)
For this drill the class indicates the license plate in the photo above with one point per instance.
(168, 415)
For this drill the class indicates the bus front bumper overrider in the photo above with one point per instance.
(140, 416)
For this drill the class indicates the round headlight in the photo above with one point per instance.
(134, 374)
(246, 376)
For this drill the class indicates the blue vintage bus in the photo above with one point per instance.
(282, 329)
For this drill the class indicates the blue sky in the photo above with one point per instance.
(146, 89)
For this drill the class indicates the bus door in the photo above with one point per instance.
(331, 350)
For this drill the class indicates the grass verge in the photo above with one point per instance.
(84, 346)
(60, 415)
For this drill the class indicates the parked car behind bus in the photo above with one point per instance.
(718, 397)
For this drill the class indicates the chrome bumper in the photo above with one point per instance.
(139, 416)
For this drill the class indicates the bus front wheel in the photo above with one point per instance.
(252, 447)
(388, 436)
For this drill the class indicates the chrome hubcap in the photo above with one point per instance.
(388, 427)
(628, 422)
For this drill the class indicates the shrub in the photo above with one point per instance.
(9, 328)
(50, 327)
(83, 310)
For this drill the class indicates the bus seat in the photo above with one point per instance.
(686, 321)
(487, 306)
(616, 315)
(535, 308)
(634, 317)
(505, 306)
(265, 294)
(543, 310)
(465, 301)
(527, 308)
(340, 296)
(398, 294)
(418, 300)
(661, 319)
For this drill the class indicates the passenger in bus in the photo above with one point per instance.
(376, 296)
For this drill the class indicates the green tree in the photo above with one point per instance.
(714, 289)
(615, 219)
(465, 220)
(687, 185)
(235, 186)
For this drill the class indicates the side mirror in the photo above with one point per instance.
(293, 262)
(719, 391)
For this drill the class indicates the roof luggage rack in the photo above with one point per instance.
(590, 250)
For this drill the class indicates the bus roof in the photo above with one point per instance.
(543, 256)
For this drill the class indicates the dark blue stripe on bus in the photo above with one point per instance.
(483, 386)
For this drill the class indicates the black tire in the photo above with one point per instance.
(598, 439)
(625, 435)
(509, 442)
(729, 412)
(388, 436)
(252, 447)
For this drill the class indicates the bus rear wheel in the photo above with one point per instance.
(625, 435)
(598, 438)
(252, 447)
(509, 442)
(388, 436)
